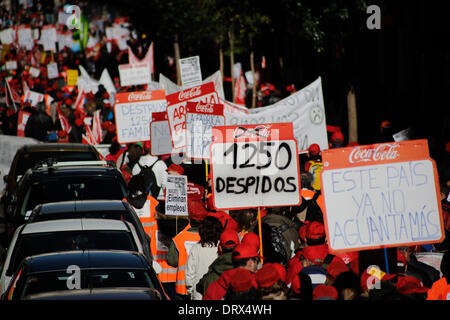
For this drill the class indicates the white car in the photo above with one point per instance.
(67, 234)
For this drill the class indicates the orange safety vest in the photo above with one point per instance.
(309, 194)
(440, 290)
(183, 242)
(147, 217)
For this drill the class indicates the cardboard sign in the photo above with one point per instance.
(381, 195)
(255, 166)
(133, 113)
(176, 110)
(7, 36)
(191, 73)
(160, 139)
(136, 74)
(200, 119)
(305, 109)
(72, 77)
(22, 122)
(25, 37)
(176, 195)
(33, 97)
(52, 70)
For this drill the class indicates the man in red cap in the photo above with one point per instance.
(245, 257)
(315, 253)
(175, 169)
(229, 239)
(242, 286)
(270, 283)
(337, 140)
(314, 165)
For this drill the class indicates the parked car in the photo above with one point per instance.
(67, 234)
(99, 294)
(62, 182)
(30, 155)
(98, 209)
(89, 269)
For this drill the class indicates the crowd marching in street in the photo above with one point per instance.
(267, 253)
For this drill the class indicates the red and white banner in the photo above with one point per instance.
(381, 195)
(176, 110)
(133, 113)
(22, 122)
(200, 119)
(148, 58)
(240, 90)
(255, 166)
(97, 127)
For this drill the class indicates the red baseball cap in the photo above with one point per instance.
(252, 239)
(175, 167)
(409, 285)
(314, 149)
(280, 269)
(267, 275)
(337, 137)
(196, 210)
(335, 268)
(244, 250)
(315, 230)
(229, 238)
(242, 280)
(325, 292)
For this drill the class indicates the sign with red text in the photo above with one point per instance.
(160, 139)
(255, 166)
(200, 119)
(381, 195)
(134, 74)
(176, 110)
(133, 113)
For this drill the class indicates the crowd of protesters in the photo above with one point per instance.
(209, 254)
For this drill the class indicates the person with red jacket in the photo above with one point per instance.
(244, 257)
(315, 253)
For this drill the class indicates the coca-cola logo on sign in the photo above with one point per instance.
(259, 131)
(139, 96)
(189, 94)
(206, 108)
(382, 152)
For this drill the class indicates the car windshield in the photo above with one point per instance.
(39, 243)
(28, 160)
(55, 281)
(72, 188)
(114, 215)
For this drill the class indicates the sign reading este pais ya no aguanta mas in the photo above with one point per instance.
(381, 195)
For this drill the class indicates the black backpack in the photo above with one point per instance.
(313, 211)
(279, 242)
(149, 179)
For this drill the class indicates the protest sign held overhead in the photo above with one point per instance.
(52, 70)
(255, 166)
(200, 119)
(72, 77)
(191, 73)
(305, 109)
(381, 195)
(134, 74)
(133, 113)
(176, 110)
(176, 195)
(160, 139)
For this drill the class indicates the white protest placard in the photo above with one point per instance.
(33, 97)
(34, 71)
(382, 195)
(52, 70)
(176, 195)
(255, 166)
(191, 73)
(136, 74)
(200, 119)
(133, 113)
(176, 110)
(11, 65)
(160, 139)
(305, 109)
(49, 38)
(25, 37)
(7, 36)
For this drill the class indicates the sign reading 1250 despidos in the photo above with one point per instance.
(255, 166)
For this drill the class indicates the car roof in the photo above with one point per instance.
(99, 294)
(86, 259)
(62, 225)
(43, 173)
(40, 147)
(81, 206)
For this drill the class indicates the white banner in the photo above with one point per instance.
(137, 74)
(176, 195)
(305, 109)
(52, 70)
